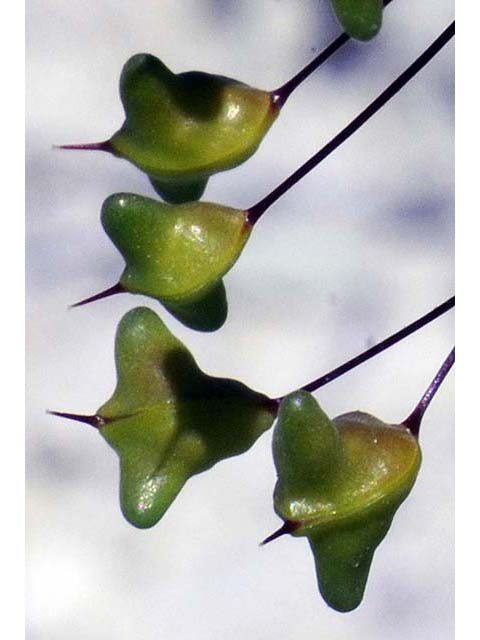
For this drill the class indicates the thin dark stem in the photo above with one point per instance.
(281, 95)
(378, 348)
(414, 420)
(111, 291)
(255, 212)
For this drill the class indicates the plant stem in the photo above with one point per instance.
(378, 348)
(414, 420)
(281, 95)
(254, 213)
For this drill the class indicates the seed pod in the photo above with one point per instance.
(167, 420)
(361, 19)
(176, 254)
(182, 128)
(340, 482)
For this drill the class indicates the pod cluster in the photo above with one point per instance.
(340, 481)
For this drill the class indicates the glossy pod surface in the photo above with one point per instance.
(182, 128)
(167, 420)
(361, 19)
(177, 254)
(340, 483)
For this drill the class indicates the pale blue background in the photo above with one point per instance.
(359, 248)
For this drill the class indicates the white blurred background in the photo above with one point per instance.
(359, 248)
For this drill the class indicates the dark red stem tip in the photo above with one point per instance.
(94, 421)
(287, 527)
(272, 405)
(414, 420)
(106, 146)
(111, 291)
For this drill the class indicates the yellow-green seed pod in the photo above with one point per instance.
(167, 420)
(176, 254)
(340, 483)
(182, 128)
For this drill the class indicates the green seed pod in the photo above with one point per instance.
(340, 482)
(361, 19)
(167, 420)
(176, 254)
(182, 128)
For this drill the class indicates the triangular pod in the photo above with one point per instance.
(183, 128)
(207, 314)
(167, 420)
(177, 254)
(343, 556)
(340, 483)
(180, 190)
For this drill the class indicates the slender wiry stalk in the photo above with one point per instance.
(414, 420)
(381, 346)
(254, 213)
(281, 95)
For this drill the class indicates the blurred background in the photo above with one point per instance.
(359, 248)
